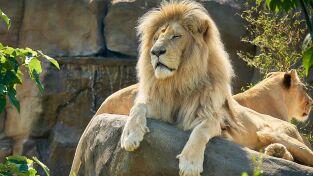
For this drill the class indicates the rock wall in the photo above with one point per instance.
(96, 46)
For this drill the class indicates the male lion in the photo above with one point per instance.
(184, 79)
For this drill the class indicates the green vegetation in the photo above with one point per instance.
(276, 36)
(14, 62)
(287, 6)
(257, 163)
(21, 166)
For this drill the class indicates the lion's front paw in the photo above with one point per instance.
(132, 136)
(190, 166)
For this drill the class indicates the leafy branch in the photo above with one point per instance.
(14, 63)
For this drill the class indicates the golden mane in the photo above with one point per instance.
(206, 63)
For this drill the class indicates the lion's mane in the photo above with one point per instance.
(204, 75)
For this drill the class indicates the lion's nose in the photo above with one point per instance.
(158, 51)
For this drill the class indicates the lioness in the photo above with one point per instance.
(281, 95)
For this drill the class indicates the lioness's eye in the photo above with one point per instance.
(175, 37)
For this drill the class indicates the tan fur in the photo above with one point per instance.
(261, 130)
(273, 98)
(269, 96)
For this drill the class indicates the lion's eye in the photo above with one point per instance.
(175, 37)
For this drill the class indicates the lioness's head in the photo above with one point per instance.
(296, 97)
(175, 38)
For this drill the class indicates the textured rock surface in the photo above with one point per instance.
(14, 9)
(120, 23)
(157, 154)
(63, 29)
(72, 96)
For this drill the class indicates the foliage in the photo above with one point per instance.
(277, 37)
(248, 86)
(21, 166)
(305, 129)
(287, 5)
(15, 61)
(257, 163)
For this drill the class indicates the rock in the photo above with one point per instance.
(120, 23)
(5, 148)
(18, 125)
(102, 155)
(63, 28)
(121, 20)
(72, 95)
(14, 9)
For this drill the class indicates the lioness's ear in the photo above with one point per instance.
(287, 80)
(290, 78)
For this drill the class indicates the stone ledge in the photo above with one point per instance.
(93, 60)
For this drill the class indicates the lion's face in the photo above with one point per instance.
(299, 101)
(169, 44)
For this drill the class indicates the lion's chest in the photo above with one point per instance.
(180, 112)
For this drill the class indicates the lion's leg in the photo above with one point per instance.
(135, 128)
(298, 150)
(192, 156)
(279, 151)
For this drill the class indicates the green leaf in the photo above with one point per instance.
(16, 159)
(12, 77)
(2, 103)
(244, 174)
(307, 59)
(43, 166)
(37, 80)
(35, 65)
(5, 18)
(13, 100)
(53, 61)
(3, 89)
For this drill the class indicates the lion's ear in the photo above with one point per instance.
(196, 24)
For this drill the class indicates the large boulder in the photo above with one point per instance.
(63, 28)
(102, 154)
